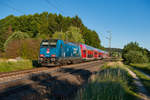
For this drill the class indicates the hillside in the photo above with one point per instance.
(42, 26)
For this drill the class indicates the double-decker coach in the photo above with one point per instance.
(91, 53)
(87, 52)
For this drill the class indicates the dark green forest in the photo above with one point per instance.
(42, 26)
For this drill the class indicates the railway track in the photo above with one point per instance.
(5, 74)
(16, 77)
(24, 74)
(12, 76)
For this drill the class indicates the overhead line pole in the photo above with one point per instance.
(109, 38)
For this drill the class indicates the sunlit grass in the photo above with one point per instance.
(112, 83)
(7, 66)
(143, 67)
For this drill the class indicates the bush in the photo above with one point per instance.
(135, 57)
(7, 66)
(27, 49)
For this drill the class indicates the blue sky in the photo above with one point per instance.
(128, 20)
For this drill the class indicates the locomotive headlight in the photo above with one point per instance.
(52, 59)
(41, 59)
(53, 55)
(41, 55)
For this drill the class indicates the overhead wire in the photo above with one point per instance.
(51, 4)
(59, 4)
(11, 7)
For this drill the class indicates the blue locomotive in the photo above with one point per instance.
(58, 52)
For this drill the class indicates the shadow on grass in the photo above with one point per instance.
(84, 74)
(47, 87)
(146, 85)
(143, 69)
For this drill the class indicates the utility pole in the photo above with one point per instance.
(109, 38)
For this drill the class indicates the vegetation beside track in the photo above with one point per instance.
(113, 82)
(144, 79)
(133, 53)
(7, 66)
(143, 67)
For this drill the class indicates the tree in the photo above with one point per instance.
(43, 25)
(72, 35)
(91, 37)
(76, 21)
(59, 35)
(133, 53)
(135, 57)
(16, 36)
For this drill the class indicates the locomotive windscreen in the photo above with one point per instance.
(49, 43)
(52, 43)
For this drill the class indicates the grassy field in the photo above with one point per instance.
(143, 67)
(144, 79)
(112, 83)
(7, 66)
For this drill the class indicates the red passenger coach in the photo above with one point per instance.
(87, 52)
(95, 54)
(100, 54)
(90, 53)
(83, 51)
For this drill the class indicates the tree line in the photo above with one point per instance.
(45, 25)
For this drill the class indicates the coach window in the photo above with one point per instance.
(95, 53)
(84, 52)
(99, 55)
(89, 56)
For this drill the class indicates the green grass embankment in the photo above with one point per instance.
(113, 82)
(8, 66)
(143, 67)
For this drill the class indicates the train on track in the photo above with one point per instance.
(58, 52)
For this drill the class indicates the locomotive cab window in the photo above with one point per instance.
(49, 43)
(44, 43)
(52, 43)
